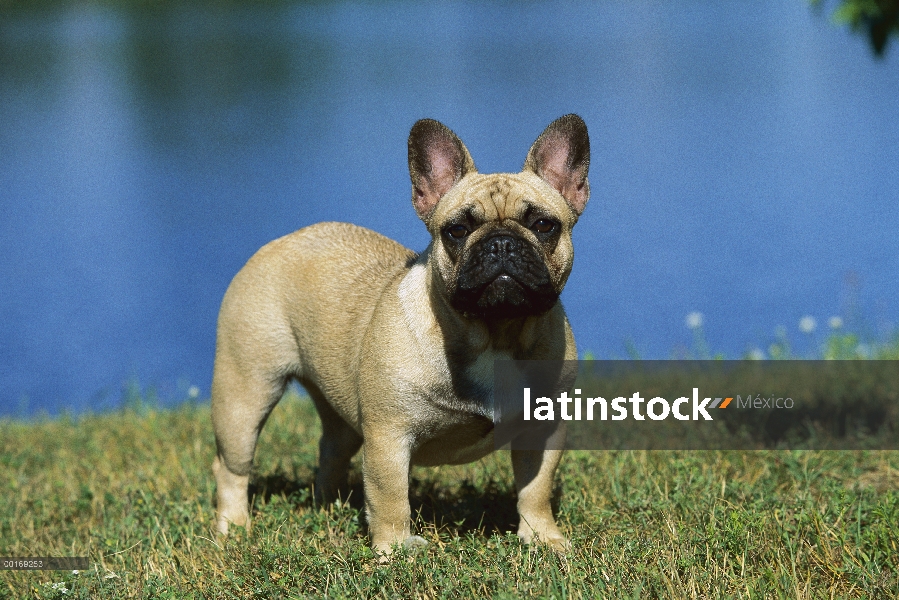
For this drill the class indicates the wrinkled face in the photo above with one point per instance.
(503, 245)
(502, 242)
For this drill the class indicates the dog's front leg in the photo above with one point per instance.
(534, 471)
(385, 472)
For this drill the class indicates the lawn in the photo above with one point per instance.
(133, 491)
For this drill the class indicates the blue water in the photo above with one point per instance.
(744, 165)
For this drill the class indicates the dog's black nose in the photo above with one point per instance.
(503, 246)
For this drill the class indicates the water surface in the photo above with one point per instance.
(743, 165)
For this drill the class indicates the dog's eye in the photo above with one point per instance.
(543, 226)
(457, 231)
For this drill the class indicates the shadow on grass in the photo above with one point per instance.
(465, 508)
(263, 487)
(462, 508)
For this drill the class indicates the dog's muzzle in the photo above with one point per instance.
(503, 277)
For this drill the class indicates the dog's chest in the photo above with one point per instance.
(467, 386)
(479, 373)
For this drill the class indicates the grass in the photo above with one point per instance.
(133, 491)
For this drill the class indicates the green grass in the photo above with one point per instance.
(133, 491)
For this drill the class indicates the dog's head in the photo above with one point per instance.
(501, 242)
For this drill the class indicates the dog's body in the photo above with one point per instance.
(397, 350)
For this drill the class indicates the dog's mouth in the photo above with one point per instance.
(503, 277)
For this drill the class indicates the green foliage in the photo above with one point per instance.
(133, 491)
(838, 344)
(880, 18)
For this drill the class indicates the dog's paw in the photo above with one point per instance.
(415, 544)
(552, 539)
(560, 544)
(231, 498)
(223, 522)
(221, 526)
(412, 545)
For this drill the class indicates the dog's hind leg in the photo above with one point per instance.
(338, 444)
(241, 403)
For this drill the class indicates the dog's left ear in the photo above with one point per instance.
(437, 161)
(561, 157)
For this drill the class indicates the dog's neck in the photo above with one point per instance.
(472, 336)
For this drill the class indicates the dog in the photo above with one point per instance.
(396, 349)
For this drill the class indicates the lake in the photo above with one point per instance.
(743, 166)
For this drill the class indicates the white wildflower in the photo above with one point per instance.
(756, 354)
(694, 320)
(193, 392)
(807, 324)
(835, 322)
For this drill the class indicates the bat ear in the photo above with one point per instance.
(437, 161)
(561, 157)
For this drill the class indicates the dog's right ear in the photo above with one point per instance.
(437, 161)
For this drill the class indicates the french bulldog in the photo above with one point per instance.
(396, 349)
